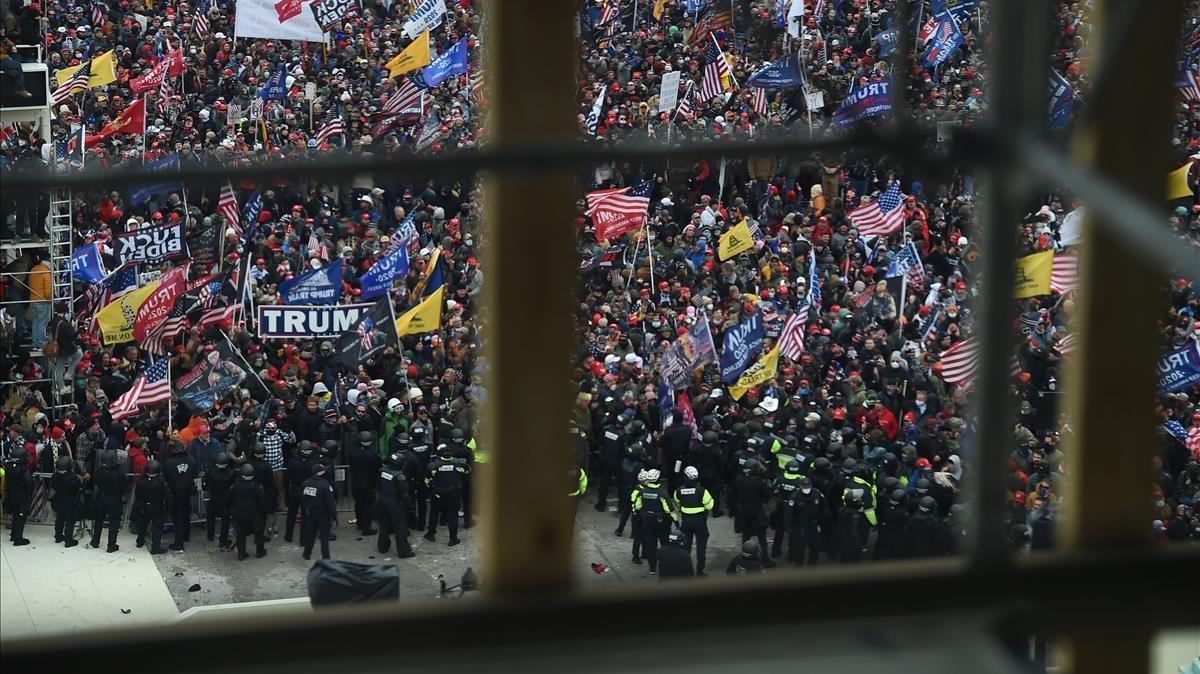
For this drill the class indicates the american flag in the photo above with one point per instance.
(758, 101)
(200, 21)
(153, 386)
(711, 24)
(1066, 344)
(814, 281)
(74, 84)
(97, 15)
(717, 74)
(1064, 276)
(608, 12)
(405, 98)
(227, 207)
(882, 216)
(165, 92)
(960, 362)
(163, 334)
(685, 103)
(216, 315)
(625, 200)
(791, 339)
(477, 87)
(1193, 439)
(1185, 81)
(333, 127)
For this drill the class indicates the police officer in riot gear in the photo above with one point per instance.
(784, 486)
(181, 472)
(394, 504)
(218, 482)
(446, 475)
(299, 470)
(608, 460)
(653, 509)
(423, 451)
(316, 500)
(806, 510)
(364, 473)
(249, 505)
(631, 465)
(749, 562)
(695, 503)
(18, 492)
(110, 486)
(68, 487)
(151, 498)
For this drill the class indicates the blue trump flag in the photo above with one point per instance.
(871, 100)
(1180, 369)
(783, 74)
(741, 344)
(451, 63)
(275, 88)
(319, 286)
(86, 264)
(906, 259)
(1061, 100)
(140, 194)
(887, 41)
(946, 39)
(378, 279)
(959, 9)
(250, 213)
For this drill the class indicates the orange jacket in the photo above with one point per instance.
(40, 285)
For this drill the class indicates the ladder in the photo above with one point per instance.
(61, 233)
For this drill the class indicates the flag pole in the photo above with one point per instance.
(170, 402)
(143, 129)
(649, 251)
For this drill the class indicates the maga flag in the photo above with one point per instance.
(415, 55)
(1033, 275)
(103, 71)
(133, 120)
(736, 240)
(116, 320)
(425, 317)
(373, 332)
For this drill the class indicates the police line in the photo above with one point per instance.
(302, 322)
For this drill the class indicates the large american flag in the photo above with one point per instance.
(153, 386)
(1064, 276)
(685, 103)
(626, 200)
(608, 12)
(1186, 82)
(882, 216)
(200, 21)
(216, 315)
(791, 339)
(717, 74)
(477, 87)
(960, 362)
(97, 15)
(227, 207)
(74, 84)
(333, 127)
(715, 22)
(407, 97)
(758, 101)
(165, 92)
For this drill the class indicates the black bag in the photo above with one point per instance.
(336, 582)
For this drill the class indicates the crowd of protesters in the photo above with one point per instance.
(865, 403)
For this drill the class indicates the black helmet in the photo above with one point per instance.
(822, 463)
(789, 441)
(922, 485)
(260, 450)
(926, 504)
(222, 459)
(366, 438)
(957, 510)
(394, 460)
(805, 482)
(793, 466)
(247, 472)
(456, 434)
(63, 464)
(849, 464)
(739, 428)
(898, 496)
(638, 426)
(750, 548)
(304, 445)
(675, 537)
(889, 458)
(753, 442)
(444, 450)
(305, 451)
(109, 459)
(402, 438)
(889, 483)
(318, 468)
(19, 455)
(709, 438)
(329, 445)
(153, 468)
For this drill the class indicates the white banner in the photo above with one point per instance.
(283, 20)
(427, 16)
(302, 322)
(670, 91)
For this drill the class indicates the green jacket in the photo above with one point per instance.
(392, 424)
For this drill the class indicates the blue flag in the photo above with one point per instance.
(378, 279)
(250, 213)
(451, 63)
(871, 100)
(1180, 369)
(906, 259)
(783, 74)
(1061, 100)
(959, 9)
(319, 286)
(946, 39)
(694, 6)
(742, 343)
(887, 41)
(86, 264)
(140, 194)
(275, 88)
(666, 402)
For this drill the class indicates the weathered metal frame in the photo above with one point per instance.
(1099, 588)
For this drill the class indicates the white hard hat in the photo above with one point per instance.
(653, 475)
(415, 393)
(643, 475)
(691, 473)
(394, 404)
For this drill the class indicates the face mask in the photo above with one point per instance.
(806, 490)
(1159, 504)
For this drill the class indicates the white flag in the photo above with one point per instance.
(284, 20)
(795, 18)
(427, 16)
(594, 117)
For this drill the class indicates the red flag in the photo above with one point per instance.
(170, 66)
(159, 303)
(133, 120)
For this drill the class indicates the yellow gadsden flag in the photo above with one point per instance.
(1033, 275)
(116, 318)
(736, 240)
(103, 71)
(660, 6)
(425, 317)
(1177, 183)
(415, 55)
(759, 373)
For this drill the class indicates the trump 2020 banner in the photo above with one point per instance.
(291, 322)
(691, 351)
(741, 344)
(150, 244)
(1061, 100)
(871, 100)
(427, 16)
(1180, 369)
(319, 286)
(276, 20)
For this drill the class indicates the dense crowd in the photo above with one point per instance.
(855, 447)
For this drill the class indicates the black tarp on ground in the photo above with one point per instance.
(335, 582)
